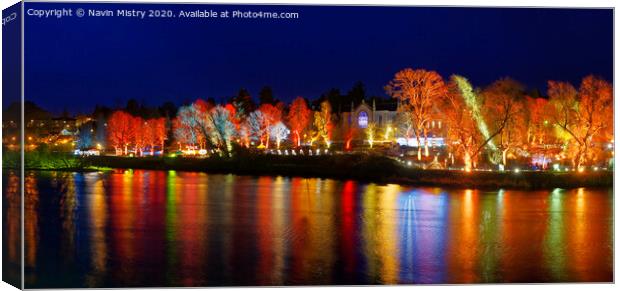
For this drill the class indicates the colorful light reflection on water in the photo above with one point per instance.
(158, 228)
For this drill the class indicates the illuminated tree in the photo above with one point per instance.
(184, 127)
(504, 112)
(404, 127)
(491, 112)
(121, 130)
(323, 123)
(539, 127)
(233, 117)
(582, 115)
(371, 132)
(279, 132)
(417, 90)
(142, 136)
(192, 124)
(463, 135)
(298, 118)
(258, 127)
(271, 115)
(159, 130)
(223, 129)
(154, 133)
(540, 131)
(245, 133)
(349, 137)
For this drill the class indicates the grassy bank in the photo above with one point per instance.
(359, 167)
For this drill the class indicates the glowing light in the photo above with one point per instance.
(388, 130)
(517, 170)
(471, 100)
(409, 163)
(556, 167)
(202, 152)
(501, 167)
(467, 163)
(581, 169)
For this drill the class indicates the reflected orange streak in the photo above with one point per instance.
(387, 234)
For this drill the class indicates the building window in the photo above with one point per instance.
(362, 119)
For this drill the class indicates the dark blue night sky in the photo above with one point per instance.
(75, 63)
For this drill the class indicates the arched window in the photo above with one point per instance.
(362, 119)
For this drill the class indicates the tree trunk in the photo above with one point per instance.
(467, 161)
(426, 153)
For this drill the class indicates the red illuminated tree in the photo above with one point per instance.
(298, 118)
(121, 130)
(272, 114)
(142, 135)
(159, 132)
(154, 133)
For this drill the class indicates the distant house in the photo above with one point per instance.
(388, 122)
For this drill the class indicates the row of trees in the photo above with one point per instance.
(126, 131)
(205, 124)
(495, 122)
(501, 120)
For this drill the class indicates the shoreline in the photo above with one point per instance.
(363, 168)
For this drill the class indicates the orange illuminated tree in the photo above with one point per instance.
(582, 115)
(417, 91)
(323, 123)
(463, 136)
(504, 111)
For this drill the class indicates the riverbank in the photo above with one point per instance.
(359, 167)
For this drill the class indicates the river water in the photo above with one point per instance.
(128, 228)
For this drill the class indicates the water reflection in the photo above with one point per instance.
(157, 228)
(11, 228)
